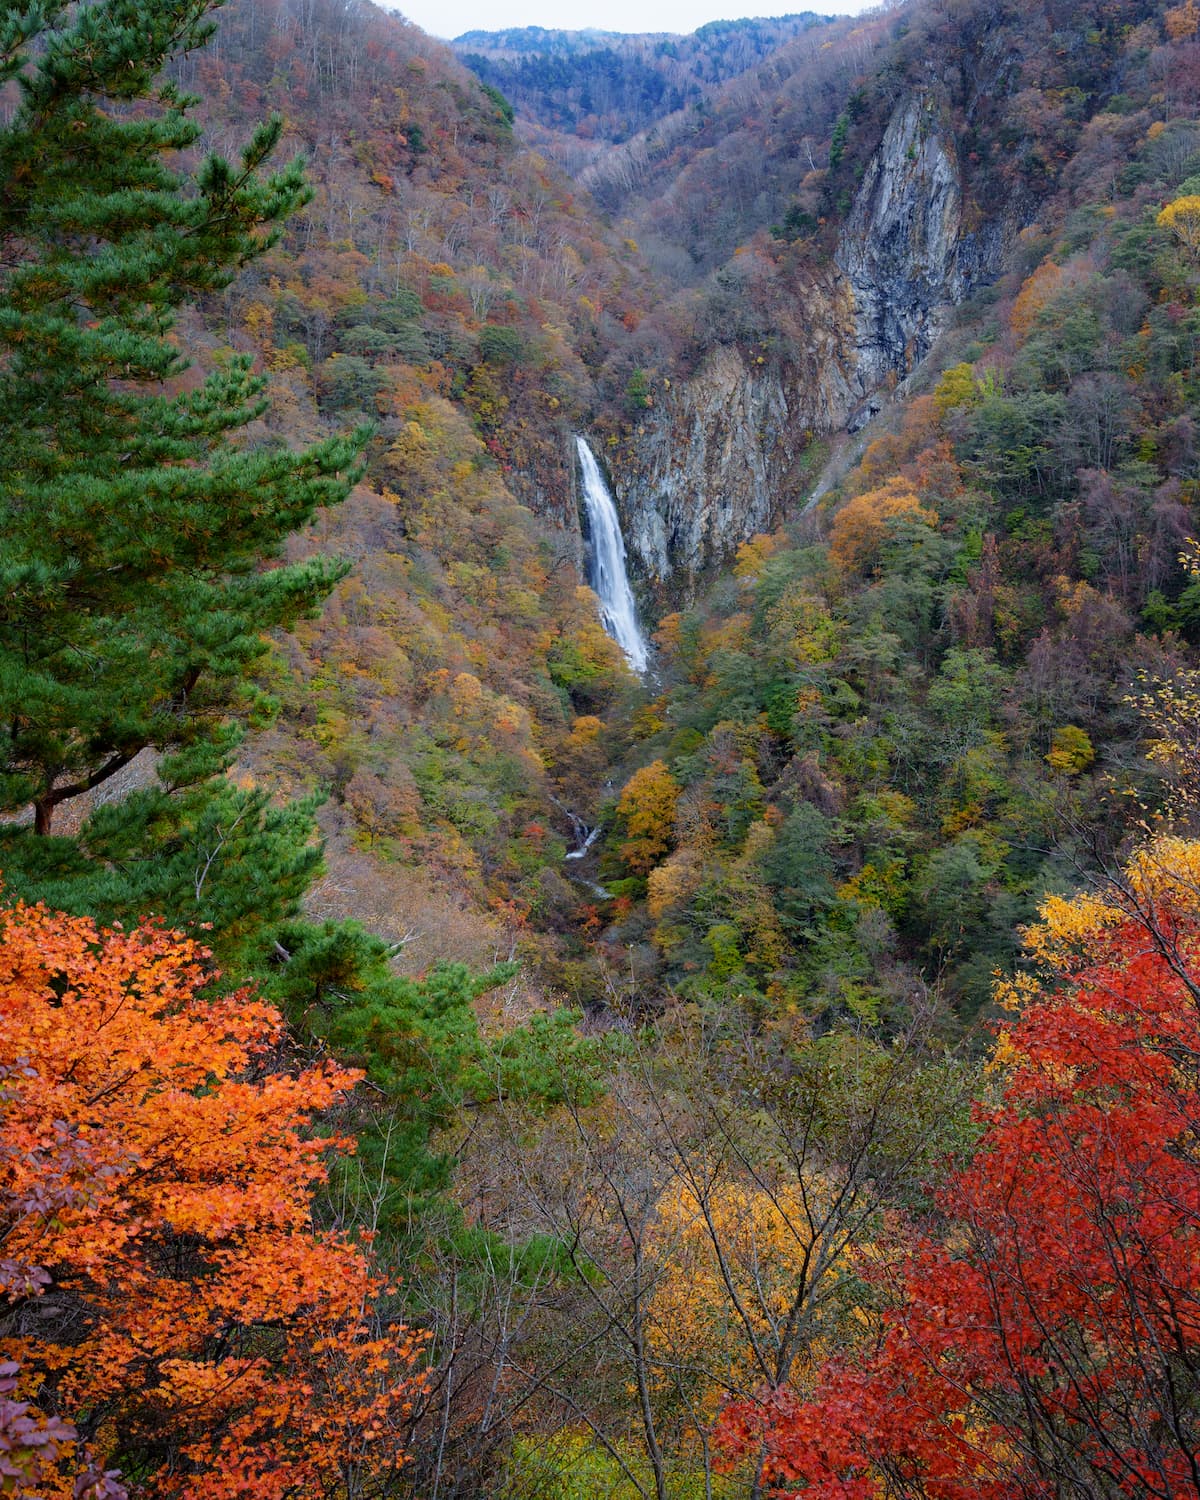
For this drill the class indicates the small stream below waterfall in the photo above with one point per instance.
(584, 838)
(581, 853)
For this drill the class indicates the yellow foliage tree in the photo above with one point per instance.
(1182, 21)
(647, 810)
(957, 387)
(753, 554)
(1182, 218)
(673, 883)
(737, 1258)
(800, 624)
(584, 731)
(1071, 750)
(861, 527)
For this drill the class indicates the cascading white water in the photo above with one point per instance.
(610, 581)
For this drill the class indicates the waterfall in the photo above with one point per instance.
(606, 573)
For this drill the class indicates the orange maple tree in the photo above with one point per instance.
(863, 524)
(163, 1289)
(1047, 1342)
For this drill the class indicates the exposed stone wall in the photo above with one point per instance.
(718, 459)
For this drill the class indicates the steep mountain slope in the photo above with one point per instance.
(435, 243)
(893, 729)
(445, 286)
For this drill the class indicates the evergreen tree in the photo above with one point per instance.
(134, 519)
(135, 525)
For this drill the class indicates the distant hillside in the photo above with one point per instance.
(785, 145)
(437, 248)
(606, 86)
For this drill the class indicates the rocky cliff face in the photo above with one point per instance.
(718, 459)
(708, 465)
(905, 251)
(721, 454)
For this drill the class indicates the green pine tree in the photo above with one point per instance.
(135, 528)
(134, 520)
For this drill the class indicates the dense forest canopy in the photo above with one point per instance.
(439, 1061)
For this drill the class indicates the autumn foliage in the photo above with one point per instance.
(741, 1259)
(861, 527)
(1182, 218)
(647, 807)
(165, 1290)
(1047, 1342)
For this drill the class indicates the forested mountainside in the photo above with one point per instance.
(602, 86)
(448, 1063)
(1016, 84)
(446, 286)
(885, 181)
(435, 242)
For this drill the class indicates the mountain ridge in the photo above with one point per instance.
(597, 86)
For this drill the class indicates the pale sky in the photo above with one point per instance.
(450, 18)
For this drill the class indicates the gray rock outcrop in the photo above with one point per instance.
(718, 459)
(905, 252)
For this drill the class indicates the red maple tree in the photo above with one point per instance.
(1046, 1341)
